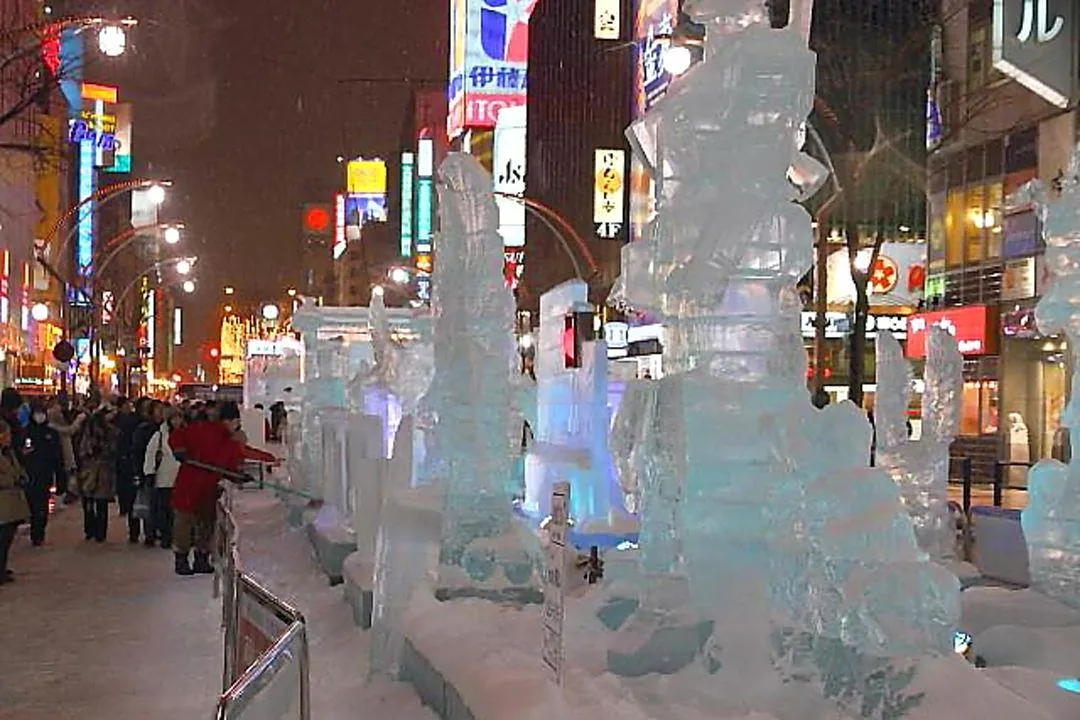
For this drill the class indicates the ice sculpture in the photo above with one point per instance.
(469, 401)
(1051, 520)
(572, 418)
(778, 551)
(921, 468)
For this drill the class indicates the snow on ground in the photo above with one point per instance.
(109, 632)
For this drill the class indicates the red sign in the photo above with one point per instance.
(971, 326)
(317, 219)
(884, 276)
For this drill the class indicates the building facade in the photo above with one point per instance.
(985, 257)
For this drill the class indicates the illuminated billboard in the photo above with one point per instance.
(341, 242)
(122, 141)
(366, 196)
(609, 193)
(408, 190)
(489, 55)
(653, 24)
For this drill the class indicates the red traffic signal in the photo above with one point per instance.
(317, 219)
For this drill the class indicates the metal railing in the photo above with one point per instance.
(266, 663)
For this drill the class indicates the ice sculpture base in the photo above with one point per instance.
(472, 660)
(1000, 550)
(358, 574)
(333, 541)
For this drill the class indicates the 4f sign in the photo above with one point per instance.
(609, 192)
(1035, 44)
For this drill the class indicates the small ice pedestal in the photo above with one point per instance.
(572, 417)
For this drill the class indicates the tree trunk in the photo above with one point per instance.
(857, 338)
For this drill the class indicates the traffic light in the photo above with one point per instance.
(317, 220)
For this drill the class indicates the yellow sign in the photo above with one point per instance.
(104, 93)
(366, 177)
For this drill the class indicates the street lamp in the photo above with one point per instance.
(230, 290)
(39, 312)
(112, 40)
(399, 275)
(172, 234)
(270, 312)
(156, 194)
(378, 290)
(188, 286)
(291, 292)
(678, 59)
(183, 267)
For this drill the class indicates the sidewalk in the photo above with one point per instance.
(108, 631)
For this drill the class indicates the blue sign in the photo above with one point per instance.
(1021, 235)
(362, 208)
(84, 238)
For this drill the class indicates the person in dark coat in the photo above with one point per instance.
(13, 509)
(97, 472)
(127, 472)
(150, 418)
(43, 460)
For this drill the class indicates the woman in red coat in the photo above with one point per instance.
(194, 497)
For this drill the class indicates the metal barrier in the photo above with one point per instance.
(999, 479)
(266, 668)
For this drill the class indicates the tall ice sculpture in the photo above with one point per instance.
(921, 468)
(1051, 520)
(469, 402)
(771, 551)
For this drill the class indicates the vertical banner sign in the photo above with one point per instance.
(508, 158)
(122, 146)
(366, 186)
(609, 193)
(554, 582)
(408, 189)
(341, 243)
(178, 326)
(1034, 43)
(489, 54)
(151, 319)
(5, 287)
(84, 237)
(24, 305)
(607, 19)
(653, 26)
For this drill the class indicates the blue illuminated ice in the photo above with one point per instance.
(1051, 520)
(572, 420)
(921, 468)
(770, 551)
(473, 432)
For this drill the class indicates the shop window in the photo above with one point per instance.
(977, 220)
(954, 228)
(979, 408)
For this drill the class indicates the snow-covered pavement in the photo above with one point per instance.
(108, 631)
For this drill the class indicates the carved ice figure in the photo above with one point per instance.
(469, 403)
(572, 418)
(770, 531)
(921, 468)
(1051, 520)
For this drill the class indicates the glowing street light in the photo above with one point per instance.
(183, 267)
(270, 312)
(678, 59)
(399, 275)
(230, 290)
(228, 308)
(172, 235)
(112, 40)
(40, 312)
(189, 286)
(156, 194)
(291, 292)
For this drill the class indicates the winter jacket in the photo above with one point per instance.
(13, 507)
(97, 461)
(209, 442)
(164, 470)
(42, 456)
(140, 440)
(126, 423)
(67, 432)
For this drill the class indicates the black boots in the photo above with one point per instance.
(202, 563)
(182, 566)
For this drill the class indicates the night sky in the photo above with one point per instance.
(241, 103)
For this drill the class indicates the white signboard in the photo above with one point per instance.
(607, 19)
(508, 161)
(838, 325)
(551, 651)
(609, 193)
(1018, 280)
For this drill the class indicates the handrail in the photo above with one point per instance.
(238, 583)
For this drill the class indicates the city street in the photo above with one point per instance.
(108, 631)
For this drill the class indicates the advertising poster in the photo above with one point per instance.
(122, 144)
(489, 54)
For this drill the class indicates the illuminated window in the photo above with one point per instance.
(954, 228)
(979, 408)
(977, 221)
(995, 204)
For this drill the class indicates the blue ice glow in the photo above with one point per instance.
(1071, 685)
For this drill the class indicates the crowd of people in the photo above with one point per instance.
(160, 463)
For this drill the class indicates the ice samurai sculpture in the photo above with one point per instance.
(770, 551)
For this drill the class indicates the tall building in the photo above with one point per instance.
(999, 121)
(580, 80)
